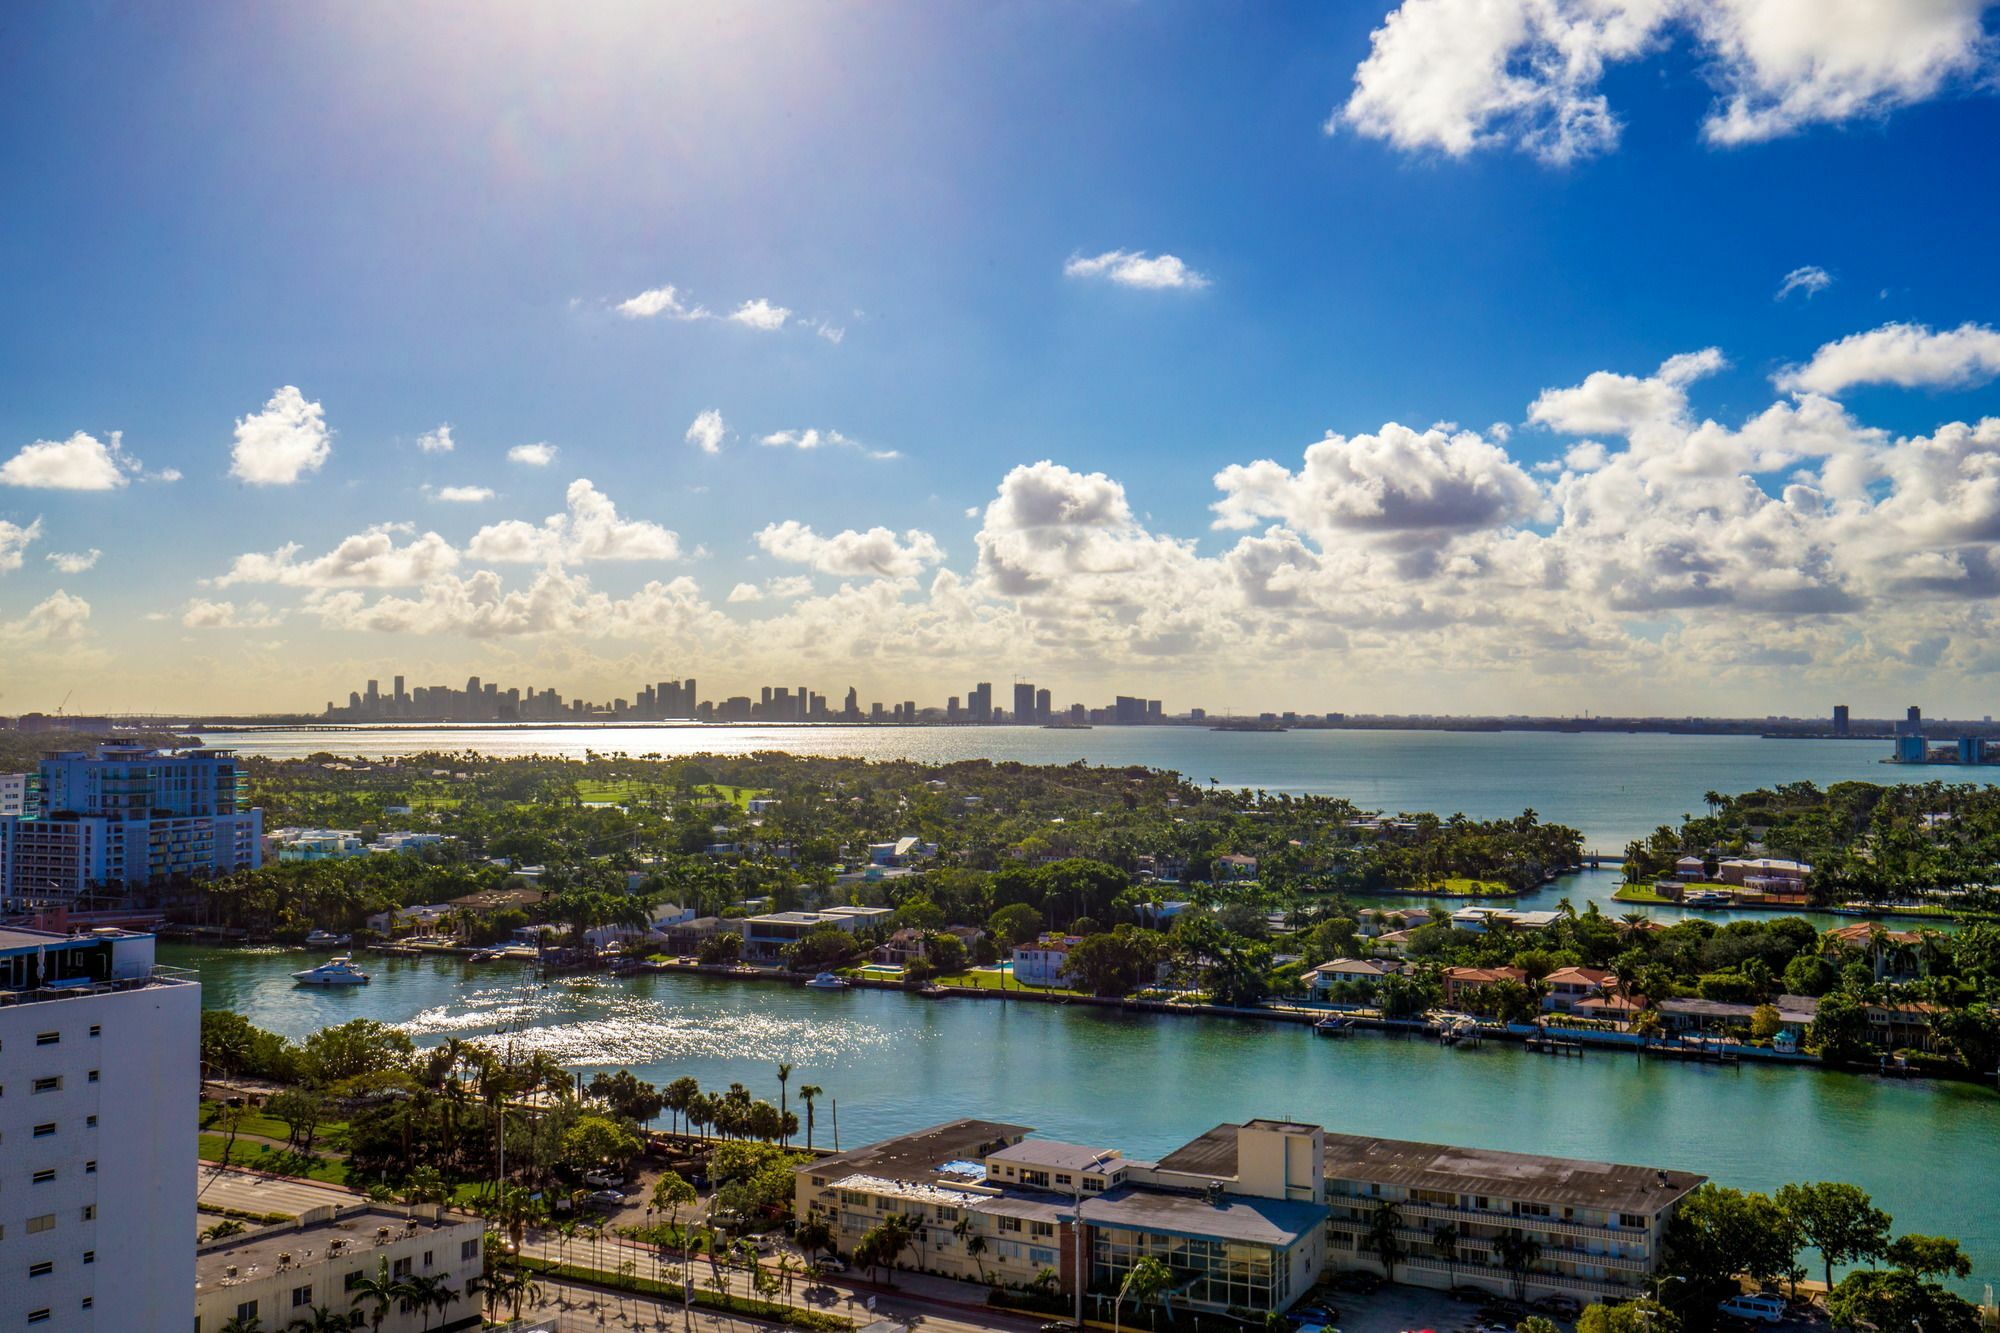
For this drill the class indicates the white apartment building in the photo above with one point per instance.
(277, 1274)
(99, 1062)
(14, 793)
(766, 937)
(1044, 962)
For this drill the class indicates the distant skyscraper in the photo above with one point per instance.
(1840, 719)
(1041, 705)
(980, 703)
(1024, 702)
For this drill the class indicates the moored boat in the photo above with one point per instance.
(339, 971)
(827, 981)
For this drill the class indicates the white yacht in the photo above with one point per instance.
(324, 939)
(827, 981)
(340, 971)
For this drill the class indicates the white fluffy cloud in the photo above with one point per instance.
(81, 463)
(1133, 268)
(814, 438)
(1808, 278)
(660, 301)
(201, 613)
(532, 455)
(71, 562)
(438, 440)
(370, 559)
(1908, 355)
(760, 314)
(1617, 404)
(462, 495)
(589, 529)
(707, 431)
(1394, 482)
(14, 541)
(58, 618)
(783, 589)
(877, 553)
(277, 446)
(1454, 76)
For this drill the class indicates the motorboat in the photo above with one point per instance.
(1705, 898)
(339, 971)
(1334, 1025)
(326, 939)
(827, 981)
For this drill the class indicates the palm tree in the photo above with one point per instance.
(243, 1324)
(784, 1077)
(1146, 1279)
(323, 1319)
(678, 1095)
(807, 1093)
(1382, 1240)
(421, 1290)
(1518, 1252)
(1444, 1244)
(382, 1289)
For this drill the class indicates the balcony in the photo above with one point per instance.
(159, 976)
(1489, 1216)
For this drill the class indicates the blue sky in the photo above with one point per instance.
(430, 217)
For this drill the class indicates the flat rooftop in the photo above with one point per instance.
(307, 1242)
(1052, 1152)
(1236, 1217)
(1562, 1181)
(920, 1156)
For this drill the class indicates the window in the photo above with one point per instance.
(1530, 1209)
(43, 1131)
(93, 1076)
(1035, 1178)
(89, 1301)
(247, 1311)
(1062, 1180)
(46, 1222)
(468, 1249)
(51, 1084)
(1041, 1229)
(353, 1280)
(42, 1269)
(90, 1212)
(401, 1268)
(90, 1167)
(427, 1258)
(45, 1175)
(90, 1122)
(38, 1316)
(90, 1256)
(301, 1296)
(96, 1029)
(1010, 1224)
(1631, 1220)
(48, 1038)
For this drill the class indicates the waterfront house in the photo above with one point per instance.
(1566, 988)
(767, 936)
(1893, 954)
(1394, 942)
(1903, 1026)
(1249, 1217)
(1359, 971)
(1459, 982)
(1235, 866)
(1795, 1011)
(1045, 962)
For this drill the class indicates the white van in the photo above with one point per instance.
(1762, 1309)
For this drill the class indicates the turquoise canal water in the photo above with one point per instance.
(1613, 788)
(1930, 1153)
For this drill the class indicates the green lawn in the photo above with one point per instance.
(994, 981)
(259, 1156)
(1640, 893)
(737, 796)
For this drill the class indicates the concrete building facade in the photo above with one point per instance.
(98, 1092)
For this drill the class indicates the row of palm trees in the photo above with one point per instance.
(1517, 1251)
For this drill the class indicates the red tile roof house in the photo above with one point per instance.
(1569, 987)
(1459, 980)
(1234, 866)
(1368, 971)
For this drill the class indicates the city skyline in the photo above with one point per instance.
(1425, 356)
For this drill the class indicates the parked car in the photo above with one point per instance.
(1059, 1326)
(1312, 1314)
(607, 1198)
(1561, 1306)
(1760, 1309)
(1359, 1280)
(1470, 1294)
(831, 1263)
(603, 1179)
